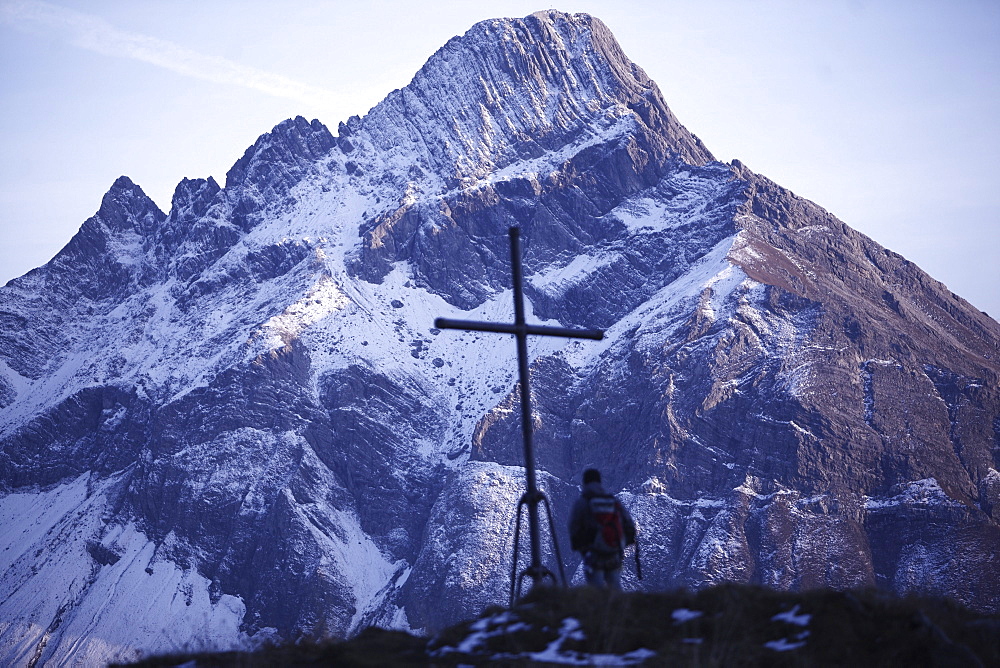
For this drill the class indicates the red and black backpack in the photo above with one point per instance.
(606, 520)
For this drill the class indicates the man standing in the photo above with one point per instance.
(600, 528)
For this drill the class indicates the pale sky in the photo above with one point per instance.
(885, 112)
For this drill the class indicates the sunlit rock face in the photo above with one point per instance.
(235, 421)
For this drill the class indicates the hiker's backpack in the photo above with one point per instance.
(606, 518)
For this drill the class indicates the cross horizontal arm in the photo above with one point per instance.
(502, 328)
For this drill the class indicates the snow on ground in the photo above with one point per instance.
(26, 517)
(793, 617)
(785, 645)
(797, 639)
(504, 623)
(391, 327)
(322, 300)
(669, 306)
(619, 124)
(696, 190)
(557, 280)
(926, 492)
(349, 554)
(77, 590)
(681, 615)
(570, 630)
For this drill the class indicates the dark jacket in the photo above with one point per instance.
(581, 528)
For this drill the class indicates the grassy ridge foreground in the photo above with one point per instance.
(726, 625)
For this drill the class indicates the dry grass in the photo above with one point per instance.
(861, 628)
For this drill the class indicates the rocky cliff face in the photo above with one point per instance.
(236, 420)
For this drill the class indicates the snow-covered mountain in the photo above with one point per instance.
(235, 421)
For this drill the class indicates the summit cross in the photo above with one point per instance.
(533, 496)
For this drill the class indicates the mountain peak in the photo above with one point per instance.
(192, 197)
(122, 183)
(126, 206)
(293, 144)
(514, 88)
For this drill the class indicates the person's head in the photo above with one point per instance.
(591, 475)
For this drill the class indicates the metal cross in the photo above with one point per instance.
(533, 496)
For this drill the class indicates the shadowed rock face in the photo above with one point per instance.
(240, 411)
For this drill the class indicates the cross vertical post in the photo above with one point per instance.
(533, 496)
(536, 571)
